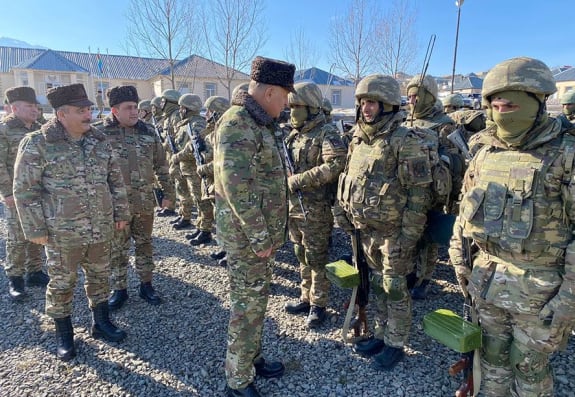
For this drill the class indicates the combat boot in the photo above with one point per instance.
(37, 279)
(248, 391)
(65, 339)
(118, 298)
(368, 347)
(166, 212)
(297, 307)
(174, 221)
(16, 288)
(420, 292)
(223, 262)
(316, 316)
(388, 358)
(148, 294)
(192, 235)
(182, 224)
(201, 238)
(268, 369)
(218, 255)
(102, 327)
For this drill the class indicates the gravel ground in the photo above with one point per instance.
(177, 348)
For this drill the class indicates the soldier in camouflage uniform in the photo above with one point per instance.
(215, 106)
(22, 256)
(156, 107)
(422, 96)
(518, 208)
(327, 109)
(319, 156)
(145, 111)
(567, 116)
(452, 103)
(142, 159)
(385, 192)
(192, 124)
(251, 214)
(70, 196)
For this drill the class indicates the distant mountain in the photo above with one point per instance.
(9, 42)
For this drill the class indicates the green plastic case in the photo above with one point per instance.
(342, 274)
(452, 330)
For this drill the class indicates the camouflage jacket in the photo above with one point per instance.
(518, 207)
(250, 179)
(206, 170)
(387, 181)
(186, 156)
(319, 154)
(170, 118)
(12, 130)
(142, 159)
(70, 191)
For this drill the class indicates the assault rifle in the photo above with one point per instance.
(291, 171)
(195, 142)
(157, 129)
(456, 137)
(359, 323)
(158, 193)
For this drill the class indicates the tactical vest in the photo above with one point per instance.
(515, 210)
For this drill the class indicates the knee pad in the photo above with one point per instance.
(529, 365)
(495, 350)
(395, 287)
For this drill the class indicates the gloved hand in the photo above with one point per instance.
(294, 182)
(462, 273)
(558, 310)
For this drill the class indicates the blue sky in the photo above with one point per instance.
(490, 30)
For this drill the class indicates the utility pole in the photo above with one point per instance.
(458, 4)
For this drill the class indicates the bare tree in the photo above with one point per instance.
(397, 38)
(353, 39)
(301, 51)
(163, 29)
(234, 33)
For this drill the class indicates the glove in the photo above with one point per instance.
(558, 314)
(294, 183)
(462, 274)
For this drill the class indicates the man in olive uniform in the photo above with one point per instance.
(145, 111)
(318, 155)
(23, 258)
(70, 196)
(142, 160)
(385, 192)
(327, 108)
(422, 96)
(452, 103)
(251, 214)
(518, 207)
(567, 115)
(156, 107)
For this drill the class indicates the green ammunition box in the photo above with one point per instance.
(342, 274)
(452, 330)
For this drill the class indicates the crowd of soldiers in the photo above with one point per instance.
(499, 178)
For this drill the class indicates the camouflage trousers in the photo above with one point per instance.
(311, 245)
(21, 255)
(426, 260)
(513, 362)
(392, 298)
(140, 230)
(205, 219)
(63, 271)
(182, 192)
(249, 278)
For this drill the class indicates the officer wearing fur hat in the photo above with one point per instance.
(71, 196)
(319, 155)
(23, 258)
(251, 214)
(142, 161)
(518, 207)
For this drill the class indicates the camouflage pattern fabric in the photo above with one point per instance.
(143, 163)
(385, 190)
(21, 255)
(518, 208)
(251, 216)
(170, 118)
(206, 170)
(319, 156)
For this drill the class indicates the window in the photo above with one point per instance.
(209, 89)
(336, 97)
(184, 88)
(24, 78)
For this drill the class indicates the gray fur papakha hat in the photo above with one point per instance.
(273, 72)
(124, 93)
(26, 94)
(73, 95)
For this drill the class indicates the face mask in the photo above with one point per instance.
(512, 127)
(424, 103)
(298, 116)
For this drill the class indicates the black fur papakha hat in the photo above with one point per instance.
(123, 93)
(73, 95)
(26, 94)
(273, 72)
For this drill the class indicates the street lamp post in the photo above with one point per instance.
(458, 4)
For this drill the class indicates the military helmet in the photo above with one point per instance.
(568, 97)
(428, 83)
(380, 88)
(326, 106)
(519, 74)
(191, 101)
(145, 105)
(217, 104)
(455, 100)
(171, 95)
(241, 87)
(156, 101)
(306, 94)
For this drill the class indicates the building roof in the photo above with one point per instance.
(468, 82)
(50, 60)
(566, 75)
(198, 66)
(320, 77)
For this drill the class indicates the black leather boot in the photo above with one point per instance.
(37, 279)
(218, 255)
(297, 307)
(118, 298)
(316, 316)
(174, 221)
(148, 294)
(65, 339)
(369, 347)
(420, 292)
(201, 238)
(388, 358)
(166, 212)
(248, 391)
(16, 288)
(102, 327)
(182, 224)
(192, 235)
(268, 369)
